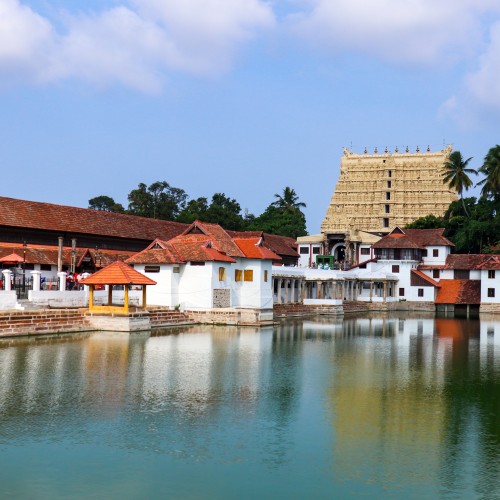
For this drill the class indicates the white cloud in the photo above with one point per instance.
(484, 84)
(401, 31)
(136, 44)
(26, 41)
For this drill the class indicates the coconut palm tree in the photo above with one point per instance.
(289, 200)
(491, 170)
(456, 175)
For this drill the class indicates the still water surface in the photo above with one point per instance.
(369, 407)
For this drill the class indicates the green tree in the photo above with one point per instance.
(427, 222)
(491, 170)
(283, 222)
(106, 204)
(226, 212)
(158, 201)
(194, 210)
(288, 200)
(456, 174)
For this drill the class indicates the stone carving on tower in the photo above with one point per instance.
(376, 192)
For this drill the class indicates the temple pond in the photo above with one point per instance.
(366, 407)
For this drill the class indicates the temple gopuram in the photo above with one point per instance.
(376, 192)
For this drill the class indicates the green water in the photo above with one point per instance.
(369, 407)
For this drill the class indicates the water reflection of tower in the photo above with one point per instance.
(383, 412)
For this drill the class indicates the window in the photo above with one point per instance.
(389, 173)
(387, 195)
(461, 274)
(420, 292)
(435, 253)
(401, 292)
(315, 250)
(362, 266)
(365, 251)
(266, 276)
(197, 263)
(387, 209)
(176, 270)
(248, 275)
(222, 274)
(435, 273)
(389, 184)
(395, 268)
(491, 274)
(45, 267)
(424, 253)
(491, 292)
(238, 275)
(385, 222)
(151, 269)
(28, 267)
(304, 250)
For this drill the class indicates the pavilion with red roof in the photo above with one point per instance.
(117, 273)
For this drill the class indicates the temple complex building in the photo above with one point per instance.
(377, 192)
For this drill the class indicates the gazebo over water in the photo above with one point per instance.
(117, 273)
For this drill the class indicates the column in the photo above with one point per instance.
(59, 254)
(144, 296)
(91, 297)
(7, 279)
(371, 290)
(110, 294)
(279, 290)
(319, 294)
(385, 290)
(126, 299)
(35, 275)
(62, 281)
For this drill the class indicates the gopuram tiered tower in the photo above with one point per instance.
(376, 192)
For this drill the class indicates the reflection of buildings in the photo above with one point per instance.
(393, 400)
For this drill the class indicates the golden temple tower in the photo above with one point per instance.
(376, 192)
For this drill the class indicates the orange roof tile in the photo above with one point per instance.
(74, 220)
(118, 273)
(426, 278)
(252, 248)
(459, 292)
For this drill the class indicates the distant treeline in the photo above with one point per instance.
(283, 216)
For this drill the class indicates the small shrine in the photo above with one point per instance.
(114, 315)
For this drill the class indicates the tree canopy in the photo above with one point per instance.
(161, 201)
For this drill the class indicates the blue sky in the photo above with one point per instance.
(243, 97)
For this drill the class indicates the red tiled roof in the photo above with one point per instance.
(413, 238)
(280, 245)
(74, 220)
(12, 258)
(426, 278)
(459, 292)
(252, 248)
(492, 263)
(220, 239)
(199, 252)
(48, 254)
(466, 261)
(118, 273)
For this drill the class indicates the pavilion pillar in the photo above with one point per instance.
(110, 294)
(144, 296)
(319, 294)
(125, 305)
(280, 282)
(60, 240)
(91, 297)
(371, 290)
(385, 290)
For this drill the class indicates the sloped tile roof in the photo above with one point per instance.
(280, 245)
(413, 238)
(74, 220)
(219, 237)
(426, 278)
(118, 273)
(459, 292)
(466, 261)
(252, 248)
(48, 254)
(492, 263)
